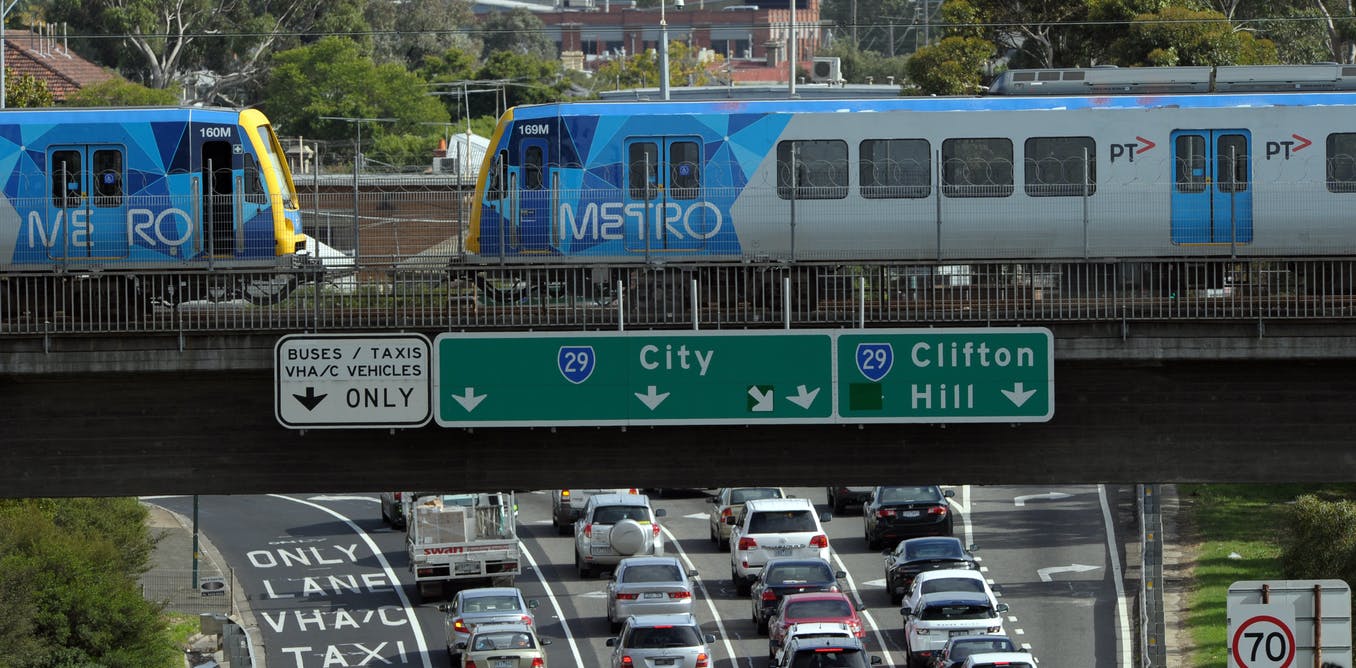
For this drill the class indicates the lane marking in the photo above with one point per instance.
(862, 611)
(706, 595)
(343, 497)
(1122, 617)
(555, 604)
(385, 567)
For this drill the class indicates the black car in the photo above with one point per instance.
(782, 576)
(841, 497)
(895, 512)
(915, 555)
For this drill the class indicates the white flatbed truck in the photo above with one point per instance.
(452, 536)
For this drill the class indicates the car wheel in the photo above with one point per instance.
(585, 572)
(713, 533)
(762, 625)
(743, 587)
(385, 516)
(613, 625)
(872, 544)
(836, 503)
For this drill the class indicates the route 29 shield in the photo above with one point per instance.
(576, 363)
(874, 360)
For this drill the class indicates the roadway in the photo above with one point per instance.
(318, 572)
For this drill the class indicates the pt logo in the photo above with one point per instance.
(874, 360)
(576, 363)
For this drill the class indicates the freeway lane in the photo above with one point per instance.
(1055, 534)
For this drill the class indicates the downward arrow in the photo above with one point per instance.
(311, 400)
(652, 400)
(1018, 394)
(1053, 496)
(763, 400)
(804, 399)
(1045, 573)
(470, 399)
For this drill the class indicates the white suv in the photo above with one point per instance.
(612, 527)
(770, 528)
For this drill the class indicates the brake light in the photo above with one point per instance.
(747, 543)
(655, 526)
(470, 664)
(460, 626)
(703, 661)
(680, 594)
(538, 663)
(769, 595)
(885, 512)
(527, 619)
(626, 661)
(588, 531)
(856, 626)
(397, 495)
(633, 490)
(819, 541)
(627, 597)
(937, 510)
(727, 512)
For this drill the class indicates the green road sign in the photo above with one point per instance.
(633, 378)
(990, 374)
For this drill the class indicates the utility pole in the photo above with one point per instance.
(663, 52)
(791, 52)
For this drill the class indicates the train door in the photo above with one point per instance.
(87, 212)
(218, 199)
(534, 215)
(664, 177)
(1212, 190)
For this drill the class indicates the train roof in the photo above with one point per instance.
(938, 104)
(119, 114)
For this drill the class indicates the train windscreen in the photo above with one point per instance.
(274, 149)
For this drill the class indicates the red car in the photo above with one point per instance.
(824, 606)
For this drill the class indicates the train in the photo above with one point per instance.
(105, 199)
(1097, 165)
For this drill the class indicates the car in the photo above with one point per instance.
(939, 616)
(727, 502)
(469, 608)
(789, 575)
(958, 648)
(392, 510)
(613, 527)
(826, 653)
(949, 579)
(894, 512)
(809, 630)
(566, 504)
(840, 498)
(821, 607)
(768, 528)
(999, 660)
(647, 586)
(503, 646)
(672, 641)
(915, 555)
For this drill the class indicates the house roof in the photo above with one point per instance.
(49, 60)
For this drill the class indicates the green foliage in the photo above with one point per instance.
(530, 80)
(1182, 36)
(119, 92)
(1319, 539)
(516, 31)
(68, 570)
(951, 67)
(859, 64)
(867, 26)
(25, 90)
(331, 77)
(405, 149)
(641, 70)
(408, 30)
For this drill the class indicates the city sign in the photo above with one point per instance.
(633, 378)
(989, 374)
(349, 380)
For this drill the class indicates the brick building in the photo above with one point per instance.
(48, 59)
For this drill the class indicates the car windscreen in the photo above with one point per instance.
(962, 649)
(845, 657)
(1005, 664)
(919, 494)
(658, 637)
(956, 611)
(953, 584)
(820, 608)
(501, 640)
(932, 549)
(790, 574)
(782, 521)
(751, 493)
(614, 514)
(491, 604)
(652, 573)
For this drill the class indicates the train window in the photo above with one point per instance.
(66, 178)
(107, 178)
(895, 168)
(1190, 168)
(821, 169)
(1342, 162)
(978, 167)
(497, 167)
(1054, 166)
(1231, 163)
(254, 181)
(533, 158)
(685, 169)
(643, 159)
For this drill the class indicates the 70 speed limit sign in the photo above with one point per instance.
(1263, 641)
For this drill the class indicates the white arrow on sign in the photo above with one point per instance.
(804, 399)
(1018, 394)
(1020, 501)
(652, 400)
(764, 400)
(1045, 573)
(470, 400)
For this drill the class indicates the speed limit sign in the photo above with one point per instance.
(1263, 641)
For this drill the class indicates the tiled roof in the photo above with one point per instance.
(64, 71)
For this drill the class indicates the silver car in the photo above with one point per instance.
(470, 608)
(671, 641)
(648, 586)
(612, 527)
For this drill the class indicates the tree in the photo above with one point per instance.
(951, 67)
(641, 70)
(529, 80)
(1044, 33)
(1340, 28)
(859, 64)
(407, 30)
(1180, 36)
(25, 90)
(1319, 540)
(868, 22)
(516, 31)
(119, 92)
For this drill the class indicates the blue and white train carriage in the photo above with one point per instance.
(120, 193)
(1148, 174)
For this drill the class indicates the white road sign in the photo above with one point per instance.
(352, 380)
(1284, 623)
